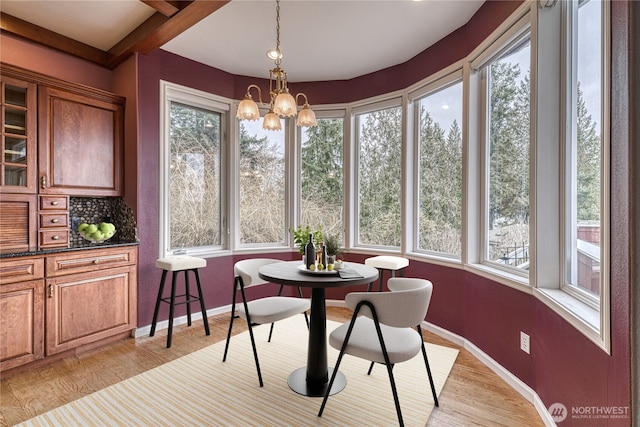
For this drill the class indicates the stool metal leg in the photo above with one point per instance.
(187, 296)
(171, 305)
(202, 308)
(158, 301)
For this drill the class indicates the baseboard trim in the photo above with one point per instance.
(515, 382)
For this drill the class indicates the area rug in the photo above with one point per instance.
(200, 390)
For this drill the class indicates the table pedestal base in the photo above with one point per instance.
(298, 383)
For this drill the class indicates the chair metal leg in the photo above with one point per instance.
(270, 332)
(426, 363)
(233, 316)
(306, 317)
(158, 301)
(255, 352)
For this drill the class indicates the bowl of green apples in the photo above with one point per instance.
(97, 233)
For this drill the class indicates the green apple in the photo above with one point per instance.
(106, 226)
(98, 235)
(82, 227)
(92, 228)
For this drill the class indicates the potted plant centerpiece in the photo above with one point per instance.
(301, 237)
(332, 243)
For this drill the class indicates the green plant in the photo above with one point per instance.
(332, 243)
(301, 236)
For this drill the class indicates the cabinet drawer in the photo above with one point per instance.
(90, 260)
(54, 238)
(59, 203)
(21, 269)
(48, 220)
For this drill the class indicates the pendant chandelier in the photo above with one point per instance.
(281, 103)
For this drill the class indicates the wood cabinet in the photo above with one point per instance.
(80, 143)
(61, 302)
(18, 166)
(21, 311)
(97, 301)
(19, 136)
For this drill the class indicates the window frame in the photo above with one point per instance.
(356, 112)
(285, 245)
(169, 93)
(450, 77)
(329, 112)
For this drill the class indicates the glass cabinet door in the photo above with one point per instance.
(18, 173)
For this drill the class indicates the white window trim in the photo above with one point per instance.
(354, 212)
(172, 92)
(520, 30)
(451, 78)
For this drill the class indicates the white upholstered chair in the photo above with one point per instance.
(261, 310)
(384, 332)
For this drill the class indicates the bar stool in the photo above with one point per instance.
(386, 263)
(176, 264)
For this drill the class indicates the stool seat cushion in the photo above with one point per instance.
(387, 262)
(180, 262)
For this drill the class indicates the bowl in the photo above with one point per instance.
(97, 241)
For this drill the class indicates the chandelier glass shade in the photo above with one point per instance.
(281, 102)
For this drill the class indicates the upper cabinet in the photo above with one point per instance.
(80, 142)
(19, 117)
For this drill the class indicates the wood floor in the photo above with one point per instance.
(472, 396)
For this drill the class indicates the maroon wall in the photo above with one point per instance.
(563, 367)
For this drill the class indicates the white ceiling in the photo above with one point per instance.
(319, 39)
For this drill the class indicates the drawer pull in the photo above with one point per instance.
(50, 291)
(54, 203)
(96, 261)
(55, 238)
(55, 220)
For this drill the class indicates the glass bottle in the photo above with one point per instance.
(310, 252)
(324, 255)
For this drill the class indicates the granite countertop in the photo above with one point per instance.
(75, 247)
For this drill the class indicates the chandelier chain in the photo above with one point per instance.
(278, 53)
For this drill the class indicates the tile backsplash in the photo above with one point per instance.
(94, 210)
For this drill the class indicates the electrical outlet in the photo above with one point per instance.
(525, 342)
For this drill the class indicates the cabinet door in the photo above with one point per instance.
(18, 142)
(21, 323)
(87, 307)
(18, 223)
(80, 144)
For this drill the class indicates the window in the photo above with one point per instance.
(193, 196)
(506, 208)
(439, 129)
(262, 184)
(321, 167)
(585, 142)
(379, 141)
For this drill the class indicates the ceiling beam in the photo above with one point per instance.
(158, 30)
(26, 30)
(167, 8)
(146, 38)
